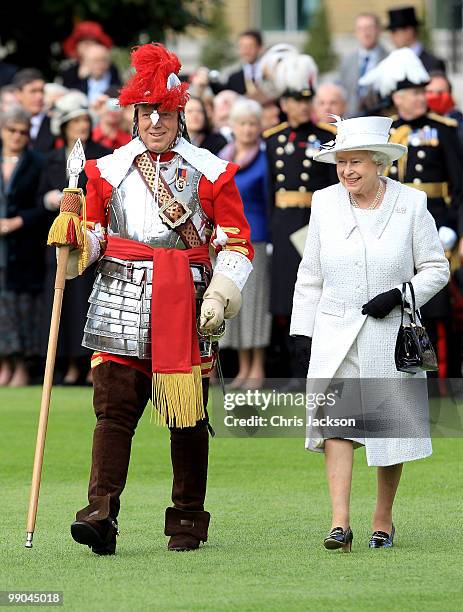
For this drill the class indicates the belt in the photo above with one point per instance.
(293, 199)
(432, 190)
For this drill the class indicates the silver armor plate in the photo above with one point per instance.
(118, 319)
(134, 214)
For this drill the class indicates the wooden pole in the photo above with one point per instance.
(60, 281)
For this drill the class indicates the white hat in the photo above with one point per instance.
(401, 69)
(361, 134)
(71, 105)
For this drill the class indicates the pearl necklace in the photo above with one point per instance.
(11, 158)
(375, 202)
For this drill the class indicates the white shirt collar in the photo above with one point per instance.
(114, 167)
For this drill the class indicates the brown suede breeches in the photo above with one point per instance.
(120, 396)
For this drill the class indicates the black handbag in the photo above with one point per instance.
(413, 349)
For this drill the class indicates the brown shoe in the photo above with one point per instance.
(95, 528)
(100, 536)
(183, 542)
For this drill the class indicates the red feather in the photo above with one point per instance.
(153, 64)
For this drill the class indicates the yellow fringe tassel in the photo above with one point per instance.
(177, 399)
(57, 236)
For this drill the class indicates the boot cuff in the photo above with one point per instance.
(192, 522)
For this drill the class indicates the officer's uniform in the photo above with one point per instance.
(294, 176)
(434, 164)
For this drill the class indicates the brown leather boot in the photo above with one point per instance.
(187, 522)
(187, 528)
(119, 398)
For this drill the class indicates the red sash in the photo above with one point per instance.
(174, 339)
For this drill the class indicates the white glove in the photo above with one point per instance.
(72, 268)
(222, 300)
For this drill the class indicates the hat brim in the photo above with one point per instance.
(391, 27)
(57, 122)
(392, 151)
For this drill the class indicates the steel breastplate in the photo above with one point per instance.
(134, 214)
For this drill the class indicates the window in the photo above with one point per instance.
(448, 15)
(286, 15)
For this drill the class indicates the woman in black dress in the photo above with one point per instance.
(22, 231)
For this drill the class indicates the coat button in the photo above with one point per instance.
(302, 188)
(421, 154)
(279, 163)
(280, 178)
(280, 150)
(304, 176)
(306, 163)
(281, 138)
(418, 167)
(416, 181)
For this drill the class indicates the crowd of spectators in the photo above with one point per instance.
(40, 122)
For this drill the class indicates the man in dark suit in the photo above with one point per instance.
(354, 66)
(403, 26)
(249, 49)
(242, 81)
(30, 86)
(293, 177)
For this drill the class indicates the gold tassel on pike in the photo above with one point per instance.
(178, 398)
(68, 229)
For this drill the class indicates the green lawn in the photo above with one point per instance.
(270, 512)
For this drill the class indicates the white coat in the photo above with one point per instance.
(341, 270)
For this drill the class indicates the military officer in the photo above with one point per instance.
(294, 176)
(433, 164)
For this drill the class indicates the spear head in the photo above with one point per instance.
(75, 163)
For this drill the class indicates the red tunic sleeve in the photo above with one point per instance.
(222, 203)
(97, 198)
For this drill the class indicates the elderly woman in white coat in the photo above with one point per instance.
(367, 236)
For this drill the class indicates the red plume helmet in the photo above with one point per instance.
(154, 64)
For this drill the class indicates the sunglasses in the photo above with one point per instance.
(16, 131)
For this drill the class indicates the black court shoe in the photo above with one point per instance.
(381, 539)
(100, 536)
(338, 538)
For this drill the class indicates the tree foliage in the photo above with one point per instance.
(36, 29)
(318, 43)
(217, 52)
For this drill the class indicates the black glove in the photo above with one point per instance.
(382, 304)
(302, 347)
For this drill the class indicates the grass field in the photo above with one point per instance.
(270, 512)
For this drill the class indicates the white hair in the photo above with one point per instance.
(245, 108)
(380, 159)
(329, 84)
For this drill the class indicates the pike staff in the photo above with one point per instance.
(66, 233)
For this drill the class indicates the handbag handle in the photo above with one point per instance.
(413, 306)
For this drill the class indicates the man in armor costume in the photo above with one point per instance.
(153, 208)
